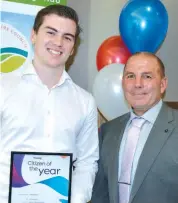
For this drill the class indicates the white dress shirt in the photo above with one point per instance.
(150, 117)
(62, 119)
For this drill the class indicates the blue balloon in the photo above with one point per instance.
(143, 25)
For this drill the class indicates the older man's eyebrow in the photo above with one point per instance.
(147, 72)
(128, 72)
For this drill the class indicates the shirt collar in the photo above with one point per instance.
(151, 114)
(64, 77)
(30, 70)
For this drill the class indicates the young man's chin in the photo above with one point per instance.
(55, 65)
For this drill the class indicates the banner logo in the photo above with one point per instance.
(14, 49)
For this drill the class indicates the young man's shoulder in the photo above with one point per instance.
(9, 80)
(82, 92)
(8, 83)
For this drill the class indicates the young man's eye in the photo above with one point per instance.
(51, 33)
(67, 38)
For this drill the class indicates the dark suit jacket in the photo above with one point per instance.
(156, 178)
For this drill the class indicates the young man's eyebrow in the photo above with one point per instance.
(69, 34)
(55, 30)
(51, 28)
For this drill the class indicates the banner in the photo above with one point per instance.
(17, 18)
(40, 2)
(16, 47)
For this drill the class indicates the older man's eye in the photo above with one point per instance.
(147, 76)
(130, 76)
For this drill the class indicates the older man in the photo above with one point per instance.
(139, 150)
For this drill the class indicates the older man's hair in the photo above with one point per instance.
(159, 61)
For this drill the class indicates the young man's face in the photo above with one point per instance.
(143, 83)
(54, 41)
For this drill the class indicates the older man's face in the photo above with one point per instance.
(143, 83)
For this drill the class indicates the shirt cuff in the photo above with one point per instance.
(78, 199)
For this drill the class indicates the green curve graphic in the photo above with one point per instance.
(12, 63)
(4, 56)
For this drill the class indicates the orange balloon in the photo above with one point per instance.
(112, 50)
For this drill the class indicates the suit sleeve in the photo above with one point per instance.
(100, 189)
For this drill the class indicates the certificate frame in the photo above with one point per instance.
(19, 158)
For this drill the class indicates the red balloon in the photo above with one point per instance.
(112, 50)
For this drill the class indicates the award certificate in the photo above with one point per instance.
(37, 177)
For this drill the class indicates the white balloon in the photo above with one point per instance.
(108, 92)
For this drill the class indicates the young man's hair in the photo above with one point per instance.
(59, 10)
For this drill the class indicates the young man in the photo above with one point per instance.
(139, 150)
(43, 110)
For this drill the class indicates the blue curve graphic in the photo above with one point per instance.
(59, 184)
(14, 51)
(63, 201)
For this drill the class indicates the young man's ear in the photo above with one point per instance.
(72, 52)
(33, 36)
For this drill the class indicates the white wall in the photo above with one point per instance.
(99, 20)
(79, 68)
(103, 24)
(169, 51)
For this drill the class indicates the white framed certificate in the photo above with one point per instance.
(38, 177)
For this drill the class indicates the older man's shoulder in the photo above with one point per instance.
(116, 121)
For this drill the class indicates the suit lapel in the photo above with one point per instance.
(156, 140)
(117, 131)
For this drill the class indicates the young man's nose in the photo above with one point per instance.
(58, 40)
